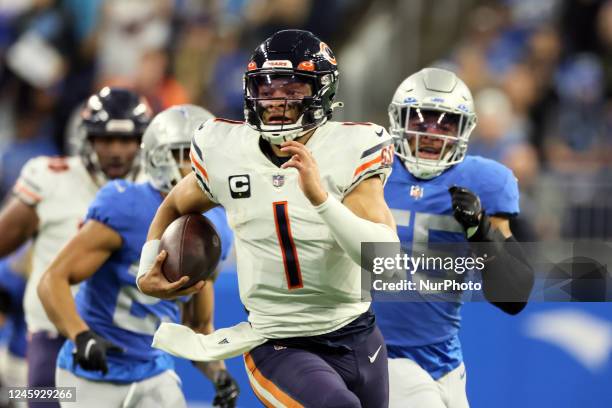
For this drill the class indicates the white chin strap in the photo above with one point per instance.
(280, 137)
(286, 135)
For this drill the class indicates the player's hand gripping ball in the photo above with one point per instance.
(193, 247)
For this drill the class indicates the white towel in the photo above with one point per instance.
(181, 341)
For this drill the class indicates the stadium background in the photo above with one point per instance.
(540, 72)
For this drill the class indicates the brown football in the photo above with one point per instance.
(194, 249)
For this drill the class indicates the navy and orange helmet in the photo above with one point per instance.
(298, 56)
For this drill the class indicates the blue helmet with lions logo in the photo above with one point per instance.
(291, 56)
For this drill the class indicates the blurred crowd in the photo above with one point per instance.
(541, 76)
(55, 53)
(540, 72)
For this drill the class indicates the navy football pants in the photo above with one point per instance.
(293, 377)
(42, 358)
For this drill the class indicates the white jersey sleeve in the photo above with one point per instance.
(198, 160)
(35, 181)
(371, 154)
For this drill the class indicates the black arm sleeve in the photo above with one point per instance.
(508, 277)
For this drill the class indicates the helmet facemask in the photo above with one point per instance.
(283, 106)
(429, 140)
(92, 160)
(163, 164)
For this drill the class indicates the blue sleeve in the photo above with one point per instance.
(219, 219)
(114, 208)
(499, 193)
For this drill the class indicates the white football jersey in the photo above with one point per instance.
(60, 189)
(294, 278)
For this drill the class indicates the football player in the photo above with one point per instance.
(301, 193)
(51, 197)
(438, 194)
(109, 325)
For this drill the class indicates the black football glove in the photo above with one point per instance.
(468, 211)
(226, 390)
(91, 349)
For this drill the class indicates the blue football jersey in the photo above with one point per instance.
(109, 301)
(427, 332)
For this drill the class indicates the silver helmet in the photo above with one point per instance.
(166, 142)
(432, 117)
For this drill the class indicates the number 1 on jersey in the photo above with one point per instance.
(287, 246)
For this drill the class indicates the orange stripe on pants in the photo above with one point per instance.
(269, 386)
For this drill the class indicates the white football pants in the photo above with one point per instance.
(160, 391)
(410, 386)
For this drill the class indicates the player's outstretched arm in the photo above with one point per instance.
(362, 217)
(509, 274)
(185, 198)
(18, 223)
(77, 261)
(508, 277)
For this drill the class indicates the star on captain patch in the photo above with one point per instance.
(416, 192)
(278, 180)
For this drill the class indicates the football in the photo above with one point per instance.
(194, 249)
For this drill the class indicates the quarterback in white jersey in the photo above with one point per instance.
(51, 198)
(283, 246)
(301, 194)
